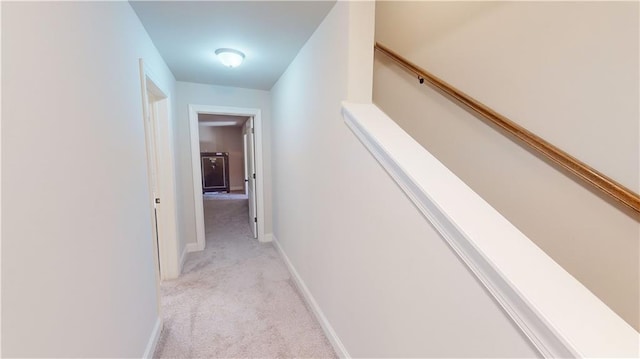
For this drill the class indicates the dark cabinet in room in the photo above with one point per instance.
(215, 171)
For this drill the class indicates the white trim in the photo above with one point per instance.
(259, 148)
(167, 211)
(193, 247)
(237, 188)
(557, 313)
(268, 237)
(194, 110)
(1, 199)
(152, 343)
(197, 180)
(331, 334)
(183, 257)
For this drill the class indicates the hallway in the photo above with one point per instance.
(236, 298)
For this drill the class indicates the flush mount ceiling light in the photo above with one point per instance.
(230, 57)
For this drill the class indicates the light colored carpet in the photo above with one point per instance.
(235, 299)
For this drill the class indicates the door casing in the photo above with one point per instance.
(156, 108)
(250, 168)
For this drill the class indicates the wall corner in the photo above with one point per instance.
(360, 53)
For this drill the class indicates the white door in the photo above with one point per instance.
(246, 164)
(251, 174)
(152, 163)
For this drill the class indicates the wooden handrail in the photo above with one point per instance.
(578, 168)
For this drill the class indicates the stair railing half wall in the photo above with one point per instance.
(578, 168)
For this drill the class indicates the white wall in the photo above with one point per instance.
(78, 276)
(567, 71)
(385, 280)
(188, 93)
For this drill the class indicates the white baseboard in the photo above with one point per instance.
(183, 257)
(153, 340)
(193, 247)
(317, 311)
(267, 237)
(237, 188)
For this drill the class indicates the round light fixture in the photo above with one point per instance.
(230, 57)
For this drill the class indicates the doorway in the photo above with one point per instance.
(160, 171)
(253, 168)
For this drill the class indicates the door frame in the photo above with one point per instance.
(168, 256)
(256, 113)
(249, 149)
(245, 175)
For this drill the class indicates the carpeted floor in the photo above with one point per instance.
(235, 299)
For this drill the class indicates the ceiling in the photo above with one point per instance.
(221, 120)
(269, 33)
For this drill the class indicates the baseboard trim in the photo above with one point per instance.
(193, 247)
(335, 341)
(267, 237)
(153, 340)
(237, 188)
(183, 257)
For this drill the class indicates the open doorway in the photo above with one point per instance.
(160, 170)
(226, 146)
(227, 161)
(222, 152)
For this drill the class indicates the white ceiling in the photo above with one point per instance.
(269, 33)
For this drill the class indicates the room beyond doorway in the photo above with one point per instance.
(222, 152)
(226, 147)
(227, 159)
